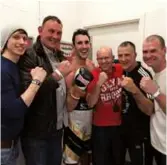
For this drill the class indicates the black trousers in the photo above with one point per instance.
(160, 158)
(106, 145)
(140, 151)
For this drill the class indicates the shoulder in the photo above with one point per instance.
(29, 59)
(96, 71)
(7, 68)
(36, 49)
(143, 72)
(6, 75)
(118, 69)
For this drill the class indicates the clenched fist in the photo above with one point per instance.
(38, 73)
(89, 64)
(128, 84)
(148, 85)
(65, 68)
(102, 78)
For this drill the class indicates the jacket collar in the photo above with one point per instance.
(134, 70)
(40, 50)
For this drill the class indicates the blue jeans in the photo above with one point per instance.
(9, 155)
(43, 152)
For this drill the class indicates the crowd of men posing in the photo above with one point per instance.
(105, 110)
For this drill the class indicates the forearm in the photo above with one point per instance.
(93, 97)
(161, 100)
(57, 75)
(71, 102)
(29, 94)
(143, 103)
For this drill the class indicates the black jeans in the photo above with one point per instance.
(43, 152)
(106, 145)
(140, 150)
(148, 151)
(160, 158)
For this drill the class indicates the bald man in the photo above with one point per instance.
(105, 95)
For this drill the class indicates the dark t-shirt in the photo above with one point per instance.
(13, 107)
(134, 121)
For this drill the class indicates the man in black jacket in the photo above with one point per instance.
(135, 123)
(42, 133)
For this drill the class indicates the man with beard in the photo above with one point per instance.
(77, 135)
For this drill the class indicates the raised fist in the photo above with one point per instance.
(89, 64)
(82, 78)
(65, 68)
(148, 85)
(128, 84)
(102, 78)
(38, 73)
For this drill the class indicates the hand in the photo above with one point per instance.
(148, 85)
(128, 84)
(38, 73)
(65, 68)
(102, 78)
(89, 64)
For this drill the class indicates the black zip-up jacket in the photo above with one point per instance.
(134, 122)
(41, 118)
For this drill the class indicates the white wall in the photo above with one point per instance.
(30, 14)
(66, 11)
(73, 13)
(99, 12)
(152, 15)
(23, 13)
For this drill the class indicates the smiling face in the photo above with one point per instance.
(17, 43)
(127, 57)
(82, 46)
(153, 53)
(105, 59)
(50, 33)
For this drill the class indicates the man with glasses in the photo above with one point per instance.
(105, 96)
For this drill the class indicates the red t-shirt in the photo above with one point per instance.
(108, 108)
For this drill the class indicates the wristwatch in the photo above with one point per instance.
(156, 94)
(37, 82)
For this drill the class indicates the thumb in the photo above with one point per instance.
(123, 77)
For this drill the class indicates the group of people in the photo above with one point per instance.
(60, 109)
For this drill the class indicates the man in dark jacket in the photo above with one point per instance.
(135, 123)
(42, 134)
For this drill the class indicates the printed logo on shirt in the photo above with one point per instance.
(111, 90)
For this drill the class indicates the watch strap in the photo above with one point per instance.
(36, 81)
